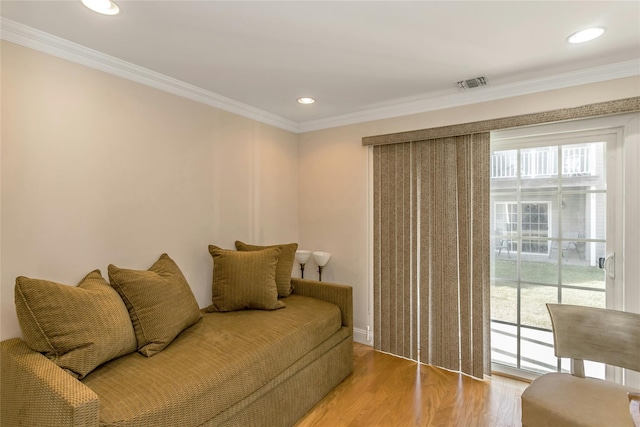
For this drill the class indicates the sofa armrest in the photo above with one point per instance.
(340, 295)
(34, 391)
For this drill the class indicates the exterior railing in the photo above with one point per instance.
(541, 163)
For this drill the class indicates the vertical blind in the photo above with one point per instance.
(431, 251)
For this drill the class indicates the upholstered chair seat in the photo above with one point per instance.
(568, 401)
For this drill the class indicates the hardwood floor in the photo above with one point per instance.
(389, 391)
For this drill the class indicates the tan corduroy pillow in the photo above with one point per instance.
(284, 267)
(159, 300)
(77, 327)
(244, 280)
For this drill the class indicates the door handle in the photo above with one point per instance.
(608, 264)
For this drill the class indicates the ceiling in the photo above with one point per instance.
(353, 57)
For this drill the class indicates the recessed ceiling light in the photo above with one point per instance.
(105, 7)
(585, 35)
(306, 100)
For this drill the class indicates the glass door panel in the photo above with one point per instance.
(548, 221)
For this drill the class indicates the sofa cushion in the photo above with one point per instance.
(559, 399)
(284, 267)
(244, 280)
(225, 359)
(77, 327)
(159, 300)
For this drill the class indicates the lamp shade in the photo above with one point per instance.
(321, 258)
(302, 256)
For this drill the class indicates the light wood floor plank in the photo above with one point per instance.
(390, 391)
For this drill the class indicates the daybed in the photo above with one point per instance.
(235, 368)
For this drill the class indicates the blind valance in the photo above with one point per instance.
(619, 106)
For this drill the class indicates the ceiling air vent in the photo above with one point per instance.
(473, 83)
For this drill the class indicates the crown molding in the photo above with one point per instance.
(488, 93)
(38, 40)
(44, 42)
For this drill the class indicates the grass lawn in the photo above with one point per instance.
(534, 296)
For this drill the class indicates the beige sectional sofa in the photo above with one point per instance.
(244, 367)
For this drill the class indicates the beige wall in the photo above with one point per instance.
(333, 176)
(96, 169)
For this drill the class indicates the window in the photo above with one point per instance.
(535, 223)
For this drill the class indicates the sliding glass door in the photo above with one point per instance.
(550, 212)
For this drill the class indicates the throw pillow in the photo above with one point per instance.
(285, 264)
(159, 300)
(77, 327)
(244, 280)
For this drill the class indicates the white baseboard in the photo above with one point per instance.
(360, 336)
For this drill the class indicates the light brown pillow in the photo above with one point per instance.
(77, 327)
(244, 280)
(159, 300)
(284, 267)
